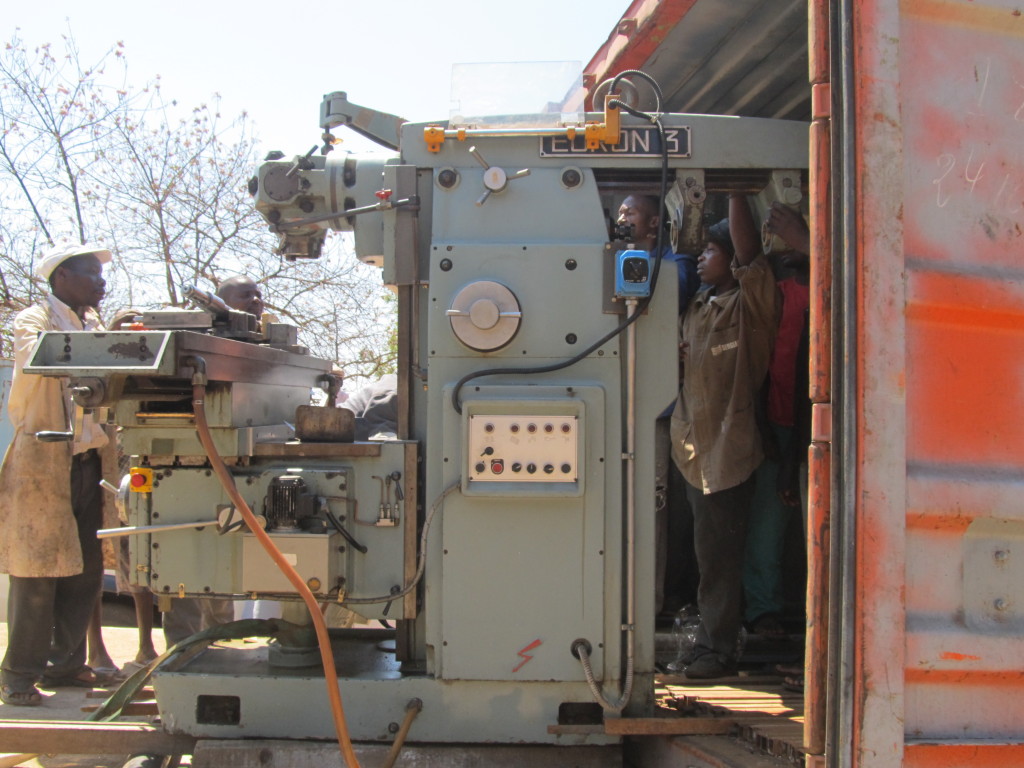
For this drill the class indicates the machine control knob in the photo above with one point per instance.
(517, 467)
(495, 179)
(566, 469)
(479, 467)
(531, 467)
(485, 316)
(549, 468)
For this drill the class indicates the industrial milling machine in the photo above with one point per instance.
(504, 542)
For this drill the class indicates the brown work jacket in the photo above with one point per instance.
(715, 438)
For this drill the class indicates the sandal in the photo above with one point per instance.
(792, 677)
(86, 677)
(30, 697)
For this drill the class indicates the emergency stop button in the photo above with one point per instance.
(140, 479)
(497, 466)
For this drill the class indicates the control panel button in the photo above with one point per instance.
(530, 452)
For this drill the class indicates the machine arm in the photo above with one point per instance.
(380, 127)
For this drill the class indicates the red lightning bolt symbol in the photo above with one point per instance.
(526, 656)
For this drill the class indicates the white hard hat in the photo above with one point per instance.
(57, 255)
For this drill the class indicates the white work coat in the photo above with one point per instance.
(38, 533)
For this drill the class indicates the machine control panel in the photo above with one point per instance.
(523, 448)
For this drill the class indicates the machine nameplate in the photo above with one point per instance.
(634, 141)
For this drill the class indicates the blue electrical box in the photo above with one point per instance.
(632, 274)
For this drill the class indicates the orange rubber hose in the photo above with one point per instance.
(330, 672)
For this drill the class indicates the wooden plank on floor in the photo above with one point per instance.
(668, 726)
(575, 730)
(765, 714)
(738, 681)
(140, 695)
(71, 737)
(132, 709)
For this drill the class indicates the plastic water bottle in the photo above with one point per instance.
(684, 632)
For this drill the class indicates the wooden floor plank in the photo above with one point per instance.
(761, 711)
(668, 726)
(71, 737)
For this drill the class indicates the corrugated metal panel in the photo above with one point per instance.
(743, 57)
(938, 222)
(962, 85)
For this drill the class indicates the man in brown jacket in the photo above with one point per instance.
(53, 504)
(727, 336)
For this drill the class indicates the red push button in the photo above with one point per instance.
(140, 479)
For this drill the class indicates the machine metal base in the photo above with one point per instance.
(231, 693)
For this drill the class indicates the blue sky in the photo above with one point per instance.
(277, 60)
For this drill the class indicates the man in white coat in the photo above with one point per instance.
(52, 500)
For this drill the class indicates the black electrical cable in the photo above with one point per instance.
(654, 118)
(340, 529)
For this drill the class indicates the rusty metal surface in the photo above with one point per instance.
(940, 303)
(873, 452)
(962, 68)
(817, 634)
(324, 424)
(743, 57)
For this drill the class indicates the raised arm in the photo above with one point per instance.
(746, 238)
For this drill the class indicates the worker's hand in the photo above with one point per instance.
(790, 226)
(684, 347)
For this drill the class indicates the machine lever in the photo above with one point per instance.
(387, 607)
(395, 477)
(495, 178)
(55, 437)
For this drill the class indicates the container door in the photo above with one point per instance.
(928, 384)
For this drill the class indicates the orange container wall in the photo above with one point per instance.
(938, 655)
(962, 80)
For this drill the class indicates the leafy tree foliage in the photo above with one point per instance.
(85, 157)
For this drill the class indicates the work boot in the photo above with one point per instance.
(709, 666)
